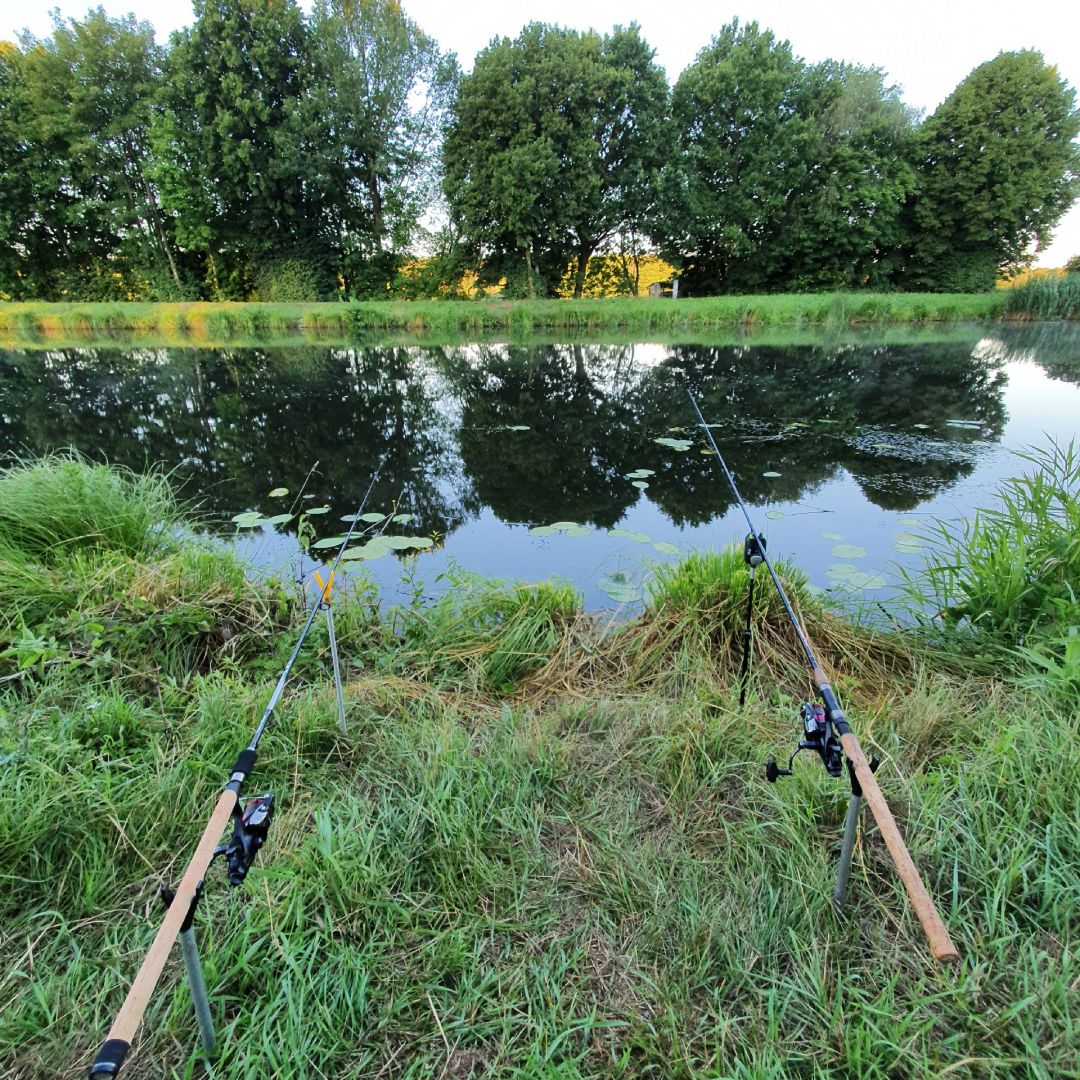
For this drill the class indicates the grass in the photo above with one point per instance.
(545, 849)
(209, 324)
(1045, 298)
(1006, 584)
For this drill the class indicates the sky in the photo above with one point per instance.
(925, 46)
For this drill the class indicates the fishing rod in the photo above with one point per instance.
(250, 825)
(827, 732)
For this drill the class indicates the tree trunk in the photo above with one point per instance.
(583, 256)
(529, 267)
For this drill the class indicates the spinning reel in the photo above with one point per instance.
(250, 827)
(820, 736)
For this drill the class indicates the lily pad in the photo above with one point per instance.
(544, 530)
(366, 552)
(279, 493)
(639, 474)
(565, 525)
(771, 474)
(278, 519)
(637, 537)
(774, 515)
(372, 517)
(853, 577)
(328, 542)
(317, 510)
(641, 484)
(619, 587)
(516, 427)
(849, 551)
(832, 536)
(910, 521)
(666, 548)
(964, 423)
(247, 516)
(676, 444)
(403, 519)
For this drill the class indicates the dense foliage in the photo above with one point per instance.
(265, 153)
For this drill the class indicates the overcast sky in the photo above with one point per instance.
(925, 46)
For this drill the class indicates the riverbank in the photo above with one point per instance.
(205, 323)
(545, 847)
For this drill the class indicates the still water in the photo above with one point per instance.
(845, 451)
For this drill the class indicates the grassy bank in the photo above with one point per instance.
(544, 849)
(218, 323)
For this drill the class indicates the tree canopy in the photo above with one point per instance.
(265, 153)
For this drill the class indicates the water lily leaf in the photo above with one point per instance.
(770, 474)
(637, 537)
(666, 548)
(849, 551)
(964, 423)
(706, 452)
(279, 493)
(312, 511)
(619, 587)
(247, 515)
(367, 552)
(910, 521)
(328, 542)
(565, 524)
(403, 519)
(251, 523)
(846, 574)
(278, 519)
(921, 427)
(909, 539)
(577, 530)
(544, 530)
(372, 517)
(775, 515)
(675, 444)
(640, 484)
(639, 474)
(517, 427)
(833, 536)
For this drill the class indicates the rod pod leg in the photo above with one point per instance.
(199, 998)
(337, 667)
(851, 828)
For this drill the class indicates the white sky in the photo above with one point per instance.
(925, 46)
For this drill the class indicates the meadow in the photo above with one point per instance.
(545, 846)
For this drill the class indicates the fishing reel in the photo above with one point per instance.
(250, 827)
(820, 737)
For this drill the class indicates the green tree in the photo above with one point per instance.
(744, 138)
(1073, 265)
(80, 208)
(998, 166)
(554, 149)
(386, 94)
(842, 228)
(242, 147)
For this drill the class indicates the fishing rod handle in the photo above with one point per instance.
(118, 1041)
(941, 944)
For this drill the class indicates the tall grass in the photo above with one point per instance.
(206, 323)
(95, 573)
(1045, 298)
(502, 872)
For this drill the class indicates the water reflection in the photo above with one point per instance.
(532, 434)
